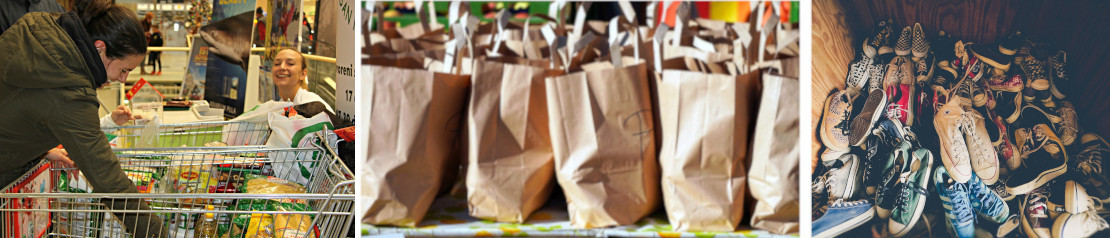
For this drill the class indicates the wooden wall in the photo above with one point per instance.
(1078, 27)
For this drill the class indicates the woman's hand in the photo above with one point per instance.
(60, 156)
(122, 114)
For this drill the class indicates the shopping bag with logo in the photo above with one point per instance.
(293, 132)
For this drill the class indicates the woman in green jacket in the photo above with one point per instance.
(54, 63)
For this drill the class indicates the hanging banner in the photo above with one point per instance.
(229, 40)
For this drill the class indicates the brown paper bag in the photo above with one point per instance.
(705, 120)
(510, 165)
(604, 145)
(774, 171)
(415, 118)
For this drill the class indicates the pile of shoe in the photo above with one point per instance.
(994, 116)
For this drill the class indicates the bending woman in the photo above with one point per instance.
(48, 83)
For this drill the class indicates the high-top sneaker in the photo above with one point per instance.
(1035, 221)
(911, 201)
(1043, 158)
(1087, 167)
(880, 36)
(949, 121)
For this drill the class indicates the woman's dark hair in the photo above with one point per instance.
(115, 25)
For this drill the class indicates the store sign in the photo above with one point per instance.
(345, 60)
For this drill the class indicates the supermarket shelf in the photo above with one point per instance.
(448, 217)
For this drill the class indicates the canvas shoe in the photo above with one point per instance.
(834, 122)
(990, 55)
(843, 216)
(923, 68)
(1043, 159)
(920, 45)
(1008, 227)
(905, 42)
(1080, 218)
(911, 202)
(975, 70)
(891, 186)
(1087, 169)
(1084, 224)
(1000, 138)
(880, 37)
(957, 204)
(820, 193)
(876, 74)
(962, 57)
(1011, 44)
(857, 75)
(984, 159)
(945, 49)
(1033, 71)
(985, 202)
(953, 146)
(844, 177)
(885, 138)
(1035, 221)
(1068, 127)
(869, 114)
(1002, 190)
(1009, 107)
(1056, 65)
(1006, 83)
(900, 102)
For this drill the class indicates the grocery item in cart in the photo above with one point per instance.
(145, 181)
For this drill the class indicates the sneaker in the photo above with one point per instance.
(857, 75)
(957, 204)
(960, 62)
(1042, 155)
(944, 52)
(1068, 127)
(869, 114)
(985, 202)
(1035, 221)
(911, 202)
(1002, 190)
(876, 74)
(923, 68)
(834, 122)
(905, 42)
(1033, 71)
(1010, 45)
(974, 70)
(844, 177)
(1006, 83)
(880, 37)
(891, 186)
(1000, 138)
(843, 216)
(990, 55)
(1087, 169)
(1056, 65)
(953, 146)
(900, 103)
(1009, 226)
(820, 193)
(884, 139)
(1084, 224)
(984, 159)
(1009, 107)
(920, 45)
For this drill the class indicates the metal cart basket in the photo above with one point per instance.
(181, 196)
(235, 133)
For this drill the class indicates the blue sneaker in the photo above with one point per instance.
(984, 201)
(957, 204)
(843, 216)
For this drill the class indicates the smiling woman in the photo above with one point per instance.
(290, 78)
(56, 60)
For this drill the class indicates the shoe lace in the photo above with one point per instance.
(967, 124)
(908, 187)
(961, 188)
(1087, 162)
(846, 203)
(1037, 203)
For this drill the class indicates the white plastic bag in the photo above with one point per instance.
(257, 115)
(293, 132)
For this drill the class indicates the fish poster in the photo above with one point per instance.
(229, 44)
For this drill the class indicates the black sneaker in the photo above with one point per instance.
(1086, 167)
(887, 194)
(1043, 159)
(884, 140)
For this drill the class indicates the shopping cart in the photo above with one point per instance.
(188, 134)
(67, 209)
